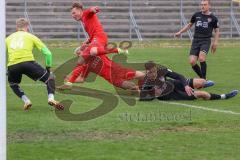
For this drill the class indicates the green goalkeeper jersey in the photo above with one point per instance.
(20, 45)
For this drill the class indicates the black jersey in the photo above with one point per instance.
(204, 24)
(161, 82)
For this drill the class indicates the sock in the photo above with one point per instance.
(76, 72)
(25, 99)
(223, 96)
(49, 80)
(203, 69)
(16, 89)
(50, 96)
(102, 51)
(197, 69)
(215, 96)
(51, 84)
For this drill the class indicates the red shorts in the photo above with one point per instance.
(117, 74)
(109, 70)
(100, 41)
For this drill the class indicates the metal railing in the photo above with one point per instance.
(234, 21)
(79, 28)
(27, 17)
(133, 24)
(135, 27)
(184, 21)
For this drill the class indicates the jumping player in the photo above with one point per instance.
(97, 43)
(114, 73)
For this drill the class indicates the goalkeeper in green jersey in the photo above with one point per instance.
(21, 61)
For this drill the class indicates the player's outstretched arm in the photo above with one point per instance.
(95, 9)
(184, 29)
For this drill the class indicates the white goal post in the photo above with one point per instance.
(2, 81)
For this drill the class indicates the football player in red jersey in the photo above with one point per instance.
(97, 43)
(92, 56)
(101, 65)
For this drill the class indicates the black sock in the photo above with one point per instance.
(197, 69)
(49, 80)
(51, 85)
(214, 96)
(16, 89)
(203, 69)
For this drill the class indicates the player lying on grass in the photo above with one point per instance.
(164, 84)
(97, 43)
(21, 61)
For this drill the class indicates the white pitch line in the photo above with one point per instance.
(172, 103)
(202, 108)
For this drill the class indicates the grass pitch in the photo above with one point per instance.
(179, 130)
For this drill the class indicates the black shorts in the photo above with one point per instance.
(31, 69)
(200, 44)
(178, 93)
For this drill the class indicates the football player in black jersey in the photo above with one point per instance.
(205, 22)
(164, 84)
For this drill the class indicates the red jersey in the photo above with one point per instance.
(109, 70)
(92, 24)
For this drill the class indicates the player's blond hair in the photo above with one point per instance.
(22, 23)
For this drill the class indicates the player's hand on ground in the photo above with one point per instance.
(214, 47)
(158, 91)
(189, 90)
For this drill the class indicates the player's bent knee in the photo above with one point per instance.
(202, 57)
(93, 51)
(44, 77)
(198, 82)
(192, 62)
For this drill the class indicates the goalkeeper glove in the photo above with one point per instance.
(48, 69)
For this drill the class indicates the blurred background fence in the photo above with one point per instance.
(122, 20)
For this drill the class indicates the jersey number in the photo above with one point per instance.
(17, 43)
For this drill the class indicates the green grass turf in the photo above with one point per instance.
(178, 132)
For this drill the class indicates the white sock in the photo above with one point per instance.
(50, 96)
(223, 96)
(68, 83)
(25, 99)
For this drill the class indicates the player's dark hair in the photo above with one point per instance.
(77, 5)
(149, 65)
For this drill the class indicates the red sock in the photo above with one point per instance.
(76, 72)
(102, 51)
